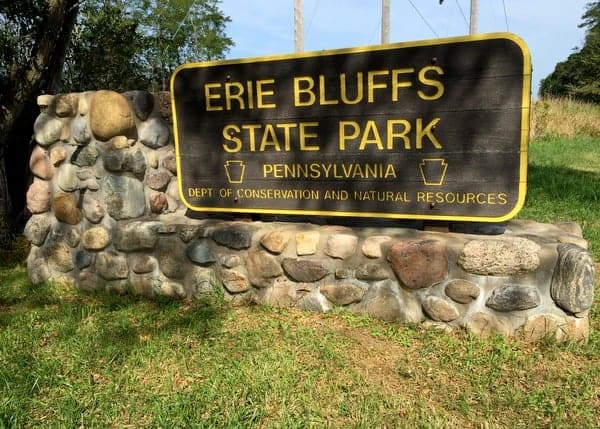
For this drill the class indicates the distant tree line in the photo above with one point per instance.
(578, 76)
(60, 46)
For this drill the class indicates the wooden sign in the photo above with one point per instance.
(427, 130)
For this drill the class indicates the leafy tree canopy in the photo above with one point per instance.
(126, 44)
(118, 44)
(578, 76)
(56, 46)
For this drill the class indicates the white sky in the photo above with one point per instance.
(266, 27)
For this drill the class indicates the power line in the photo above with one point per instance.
(375, 31)
(312, 16)
(462, 13)
(423, 18)
(184, 18)
(505, 15)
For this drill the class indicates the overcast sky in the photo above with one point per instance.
(265, 27)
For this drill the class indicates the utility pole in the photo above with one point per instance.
(298, 27)
(473, 18)
(385, 21)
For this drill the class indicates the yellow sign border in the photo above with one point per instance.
(524, 143)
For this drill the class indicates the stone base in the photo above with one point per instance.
(107, 215)
(531, 280)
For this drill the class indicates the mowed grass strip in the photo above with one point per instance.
(71, 360)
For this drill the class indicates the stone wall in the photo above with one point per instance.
(106, 215)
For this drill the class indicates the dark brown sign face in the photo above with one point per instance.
(429, 130)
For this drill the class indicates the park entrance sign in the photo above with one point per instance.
(426, 130)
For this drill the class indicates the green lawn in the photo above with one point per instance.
(564, 184)
(78, 360)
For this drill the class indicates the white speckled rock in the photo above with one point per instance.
(47, 129)
(341, 246)
(500, 257)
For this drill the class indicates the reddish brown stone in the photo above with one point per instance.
(158, 180)
(158, 202)
(40, 165)
(275, 241)
(65, 209)
(169, 162)
(419, 263)
(38, 197)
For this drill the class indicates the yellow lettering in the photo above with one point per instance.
(305, 134)
(439, 86)
(372, 85)
(229, 135)
(229, 95)
(267, 169)
(344, 136)
(200, 192)
(391, 123)
(322, 97)
(269, 138)
(397, 84)
(261, 93)
(209, 96)
(286, 134)
(252, 134)
(427, 131)
(250, 90)
(424, 197)
(308, 90)
(371, 136)
(344, 89)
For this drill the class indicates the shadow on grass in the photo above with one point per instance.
(558, 185)
(50, 333)
(103, 326)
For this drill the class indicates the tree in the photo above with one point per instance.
(578, 76)
(51, 46)
(103, 50)
(179, 31)
(36, 35)
(126, 44)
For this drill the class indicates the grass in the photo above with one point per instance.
(75, 360)
(69, 359)
(564, 184)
